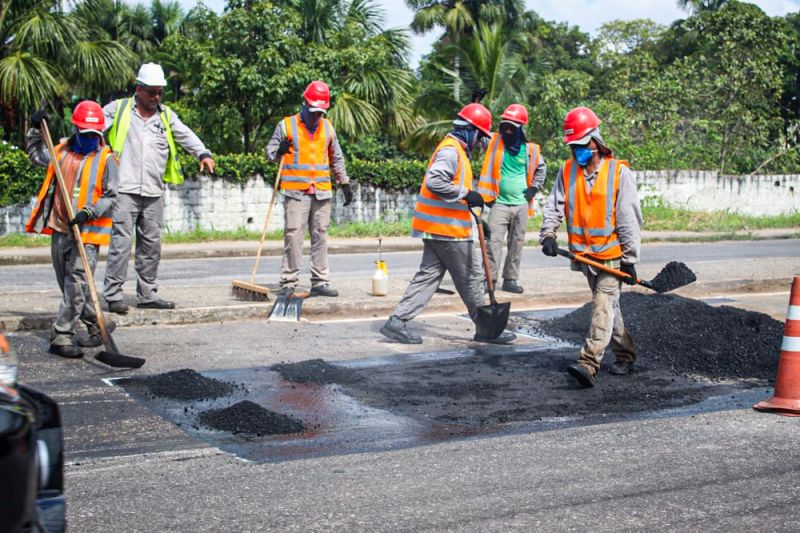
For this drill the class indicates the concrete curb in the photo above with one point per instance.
(327, 308)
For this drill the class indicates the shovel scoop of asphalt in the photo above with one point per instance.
(673, 276)
(118, 360)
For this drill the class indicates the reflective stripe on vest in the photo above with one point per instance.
(436, 216)
(119, 133)
(591, 216)
(489, 184)
(308, 163)
(90, 189)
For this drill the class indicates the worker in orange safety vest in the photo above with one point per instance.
(443, 221)
(513, 172)
(308, 148)
(596, 195)
(90, 175)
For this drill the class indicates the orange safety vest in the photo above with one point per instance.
(489, 184)
(307, 163)
(90, 176)
(434, 215)
(592, 216)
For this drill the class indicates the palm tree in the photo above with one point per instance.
(460, 18)
(47, 52)
(696, 6)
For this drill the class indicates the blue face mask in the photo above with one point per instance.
(583, 155)
(85, 144)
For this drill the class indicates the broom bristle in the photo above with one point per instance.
(249, 292)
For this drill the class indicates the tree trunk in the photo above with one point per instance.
(457, 68)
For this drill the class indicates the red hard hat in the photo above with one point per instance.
(478, 116)
(516, 113)
(88, 115)
(578, 123)
(318, 95)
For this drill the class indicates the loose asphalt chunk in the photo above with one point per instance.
(184, 384)
(688, 337)
(315, 371)
(249, 418)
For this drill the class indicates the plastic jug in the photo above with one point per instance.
(380, 280)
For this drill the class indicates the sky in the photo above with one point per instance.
(589, 15)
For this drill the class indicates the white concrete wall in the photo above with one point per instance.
(217, 204)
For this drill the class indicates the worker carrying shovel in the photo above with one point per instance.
(308, 148)
(91, 175)
(443, 220)
(596, 195)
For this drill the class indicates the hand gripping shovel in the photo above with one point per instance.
(492, 319)
(673, 276)
(110, 355)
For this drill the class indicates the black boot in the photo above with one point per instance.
(66, 350)
(510, 285)
(395, 329)
(581, 374)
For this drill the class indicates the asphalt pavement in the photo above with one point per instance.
(722, 468)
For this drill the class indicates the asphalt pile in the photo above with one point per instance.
(249, 418)
(316, 371)
(688, 337)
(674, 275)
(185, 384)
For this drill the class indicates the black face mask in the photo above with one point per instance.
(512, 139)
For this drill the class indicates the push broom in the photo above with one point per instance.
(110, 355)
(249, 290)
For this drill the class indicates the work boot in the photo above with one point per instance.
(504, 338)
(118, 307)
(158, 303)
(96, 339)
(510, 285)
(621, 368)
(66, 350)
(581, 374)
(324, 290)
(395, 329)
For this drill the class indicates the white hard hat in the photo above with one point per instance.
(152, 75)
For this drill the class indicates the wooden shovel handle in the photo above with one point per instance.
(275, 189)
(600, 266)
(486, 268)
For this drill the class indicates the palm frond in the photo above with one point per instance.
(100, 67)
(26, 80)
(353, 116)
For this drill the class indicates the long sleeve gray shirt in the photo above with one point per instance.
(143, 161)
(335, 156)
(629, 213)
(38, 154)
(440, 176)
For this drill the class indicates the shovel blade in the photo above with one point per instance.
(492, 319)
(118, 360)
(673, 276)
(286, 309)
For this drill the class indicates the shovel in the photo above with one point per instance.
(673, 276)
(492, 319)
(287, 307)
(110, 355)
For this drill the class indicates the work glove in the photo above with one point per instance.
(83, 216)
(474, 199)
(348, 193)
(38, 116)
(550, 247)
(530, 192)
(487, 233)
(629, 269)
(477, 95)
(284, 147)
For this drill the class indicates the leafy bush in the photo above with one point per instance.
(19, 178)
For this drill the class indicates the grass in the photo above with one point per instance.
(725, 226)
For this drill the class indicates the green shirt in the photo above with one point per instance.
(513, 178)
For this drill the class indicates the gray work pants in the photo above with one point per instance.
(75, 298)
(297, 216)
(144, 216)
(461, 260)
(607, 327)
(511, 220)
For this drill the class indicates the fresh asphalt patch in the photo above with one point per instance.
(692, 358)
